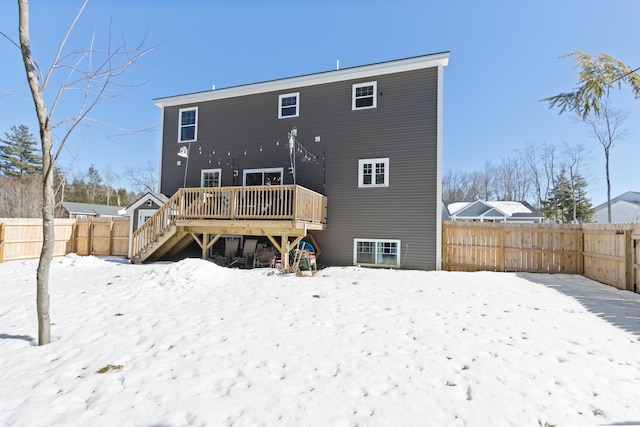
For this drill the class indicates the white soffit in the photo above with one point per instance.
(361, 72)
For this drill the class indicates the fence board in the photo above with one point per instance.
(542, 248)
(102, 236)
(608, 253)
(22, 238)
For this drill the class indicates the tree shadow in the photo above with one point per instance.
(620, 308)
(27, 338)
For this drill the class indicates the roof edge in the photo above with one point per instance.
(361, 71)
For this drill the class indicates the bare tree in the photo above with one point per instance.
(93, 73)
(574, 156)
(20, 197)
(109, 184)
(540, 161)
(145, 179)
(512, 182)
(607, 129)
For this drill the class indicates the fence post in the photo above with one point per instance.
(2, 242)
(500, 244)
(628, 261)
(110, 236)
(74, 230)
(580, 259)
(89, 235)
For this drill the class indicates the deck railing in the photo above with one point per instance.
(277, 202)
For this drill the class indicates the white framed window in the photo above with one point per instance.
(210, 177)
(271, 176)
(364, 96)
(376, 252)
(289, 105)
(373, 172)
(188, 124)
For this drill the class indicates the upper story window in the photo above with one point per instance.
(289, 105)
(364, 95)
(373, 172)
(188, 125)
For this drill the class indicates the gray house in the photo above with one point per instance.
(85, 210)
(351, 156)
(625, 208)
(493, 211)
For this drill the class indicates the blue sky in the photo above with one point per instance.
(503, 60)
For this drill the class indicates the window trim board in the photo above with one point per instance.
(397, 242)
(373, 162)
(374, 96)
(181, 126)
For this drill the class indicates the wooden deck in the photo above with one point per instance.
(281, 213)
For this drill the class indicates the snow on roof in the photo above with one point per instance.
(510, 207)
(457, 206)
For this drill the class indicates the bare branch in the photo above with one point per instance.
(62, 45)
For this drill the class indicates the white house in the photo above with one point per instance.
(624, 208)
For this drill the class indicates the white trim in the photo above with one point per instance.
(376, 241)
(362, 162)
(289, 95)
(438, 203)
(203, 171)
(374, 95)
(263, 170)
(362, 72)
(180, 125)
(159, 176)
(145, 213)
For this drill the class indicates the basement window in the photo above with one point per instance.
(376, 253)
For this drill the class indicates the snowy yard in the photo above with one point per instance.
(191, 343)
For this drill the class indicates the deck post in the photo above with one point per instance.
(205, 245)
(285, 252)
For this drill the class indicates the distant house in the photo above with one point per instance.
(624, 208)
(489, 211)
(85, 210)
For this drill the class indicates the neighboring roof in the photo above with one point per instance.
(482, 208)
(89, 209)
(364, 71)
(159, 198)
(629, 196)
(622, 211)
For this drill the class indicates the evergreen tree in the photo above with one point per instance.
(568, 202)
(18, 153)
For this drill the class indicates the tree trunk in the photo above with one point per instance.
(606, 165)
(42, 277)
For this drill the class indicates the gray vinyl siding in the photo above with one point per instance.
(402, 128)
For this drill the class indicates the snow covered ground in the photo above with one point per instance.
(191, 343)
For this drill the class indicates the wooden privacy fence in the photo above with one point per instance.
(102, 236)
(21, 238)
(608, 253)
